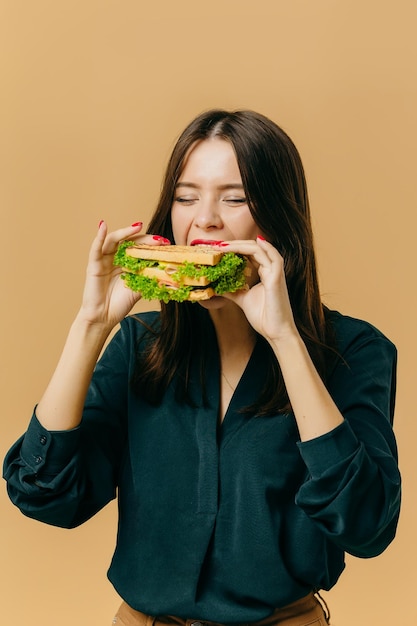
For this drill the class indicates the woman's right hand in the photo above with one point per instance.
(106, 299)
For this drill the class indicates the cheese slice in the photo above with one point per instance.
(165, 276)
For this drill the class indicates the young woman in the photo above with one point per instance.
(249, 437)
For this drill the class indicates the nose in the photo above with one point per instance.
(207, 216)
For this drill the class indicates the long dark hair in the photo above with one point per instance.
(274, 182)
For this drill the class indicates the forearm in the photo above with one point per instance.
(314, 409)
(61, 406)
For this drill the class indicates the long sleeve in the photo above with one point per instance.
(353, 489)
(63, 478)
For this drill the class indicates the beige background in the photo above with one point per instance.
(93, 94)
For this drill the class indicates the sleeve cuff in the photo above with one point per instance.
(44, 449)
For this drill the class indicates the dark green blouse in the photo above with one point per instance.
(222, 523)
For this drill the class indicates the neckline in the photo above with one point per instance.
(251, 381)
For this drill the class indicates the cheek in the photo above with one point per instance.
(247, 228)
(180, 225)
(243, 224)
(217, 302)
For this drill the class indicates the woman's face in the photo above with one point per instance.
(209, 201)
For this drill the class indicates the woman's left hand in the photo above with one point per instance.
(266, 304)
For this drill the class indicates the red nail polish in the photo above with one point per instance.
(161, 239)
(100, 223)
(135, 224)
(261, 238)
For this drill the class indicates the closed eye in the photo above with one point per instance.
(186, 201)
(189, 201)
(235, 200)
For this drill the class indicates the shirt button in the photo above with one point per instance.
(38, 459)
(197, 624)
(43, 440)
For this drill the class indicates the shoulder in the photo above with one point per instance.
(363, 372)
(351, 333)
(134, 329)
(140, 324)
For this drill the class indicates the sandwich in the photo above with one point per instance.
(180, 273)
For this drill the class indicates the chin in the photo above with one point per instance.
(216, 302)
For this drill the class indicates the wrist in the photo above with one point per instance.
(289, 339)
(290, 351)
(96, 331)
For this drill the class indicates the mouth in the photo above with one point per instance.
(206, 242)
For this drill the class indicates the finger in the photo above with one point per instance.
(98, 241)
(113, 238)
(248, 248)
(260, 250)
(271, 251)
(106, 243)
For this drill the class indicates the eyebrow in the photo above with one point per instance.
(222, 187)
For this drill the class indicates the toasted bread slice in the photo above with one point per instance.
(199, 255)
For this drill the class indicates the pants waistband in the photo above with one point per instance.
(311, 606)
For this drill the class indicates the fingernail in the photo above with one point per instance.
(222, 243)
(100, 223)
(135, 224)
(261, 238)
(161, 239)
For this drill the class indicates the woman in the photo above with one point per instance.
(249, 437)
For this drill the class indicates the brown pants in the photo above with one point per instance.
(305, 612)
